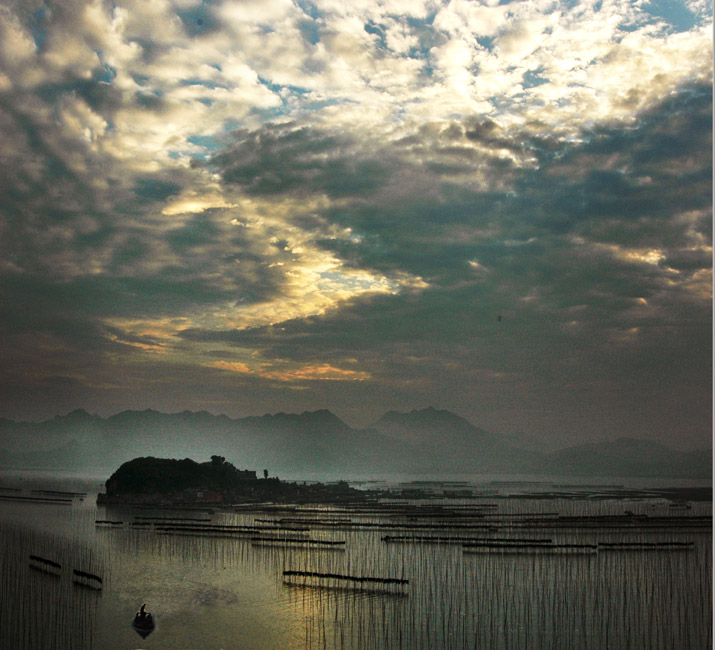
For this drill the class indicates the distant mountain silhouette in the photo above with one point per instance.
(438, 439)
(630, 457)
(424, 425)
(419, 441)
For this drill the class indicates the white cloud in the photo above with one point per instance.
(16, 44)
(521, 63)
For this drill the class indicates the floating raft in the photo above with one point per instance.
(59, 493)
(37, 499)
(295, 538)
(646, 546)
(548, 516)
(213, 534)
(433, 539)
(173, 519)
(216, 530)
(43, 564)
(298, 542)
(387, 526)
(199, 527)
(178, 527)
(341, 581)
(530, 547)
(307, 521)
(640, 523)
(86, 579)
(237, 535)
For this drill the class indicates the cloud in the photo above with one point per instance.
(575, 254)
(322, 372)
(292, 186)
(289, 159)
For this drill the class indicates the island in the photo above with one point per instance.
(172, 482)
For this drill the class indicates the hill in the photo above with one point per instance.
(420, 441)
(178, 482)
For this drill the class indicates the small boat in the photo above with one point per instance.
(143, 623)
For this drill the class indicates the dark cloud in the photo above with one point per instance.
(449, 342)
(487, 132)
(530, 273)
(577, 193)
(199, 20)
(289, 159)
(155, 190)
(595, 259)
(649, 172)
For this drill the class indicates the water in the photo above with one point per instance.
(211, 593)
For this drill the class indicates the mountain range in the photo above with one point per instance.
(426, 441)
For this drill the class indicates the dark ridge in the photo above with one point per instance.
(76, 415)
(149, 475)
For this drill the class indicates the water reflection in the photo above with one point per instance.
(211, 591)
(44, 608)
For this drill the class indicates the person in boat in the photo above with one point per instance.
(143, 622)
(142, 616)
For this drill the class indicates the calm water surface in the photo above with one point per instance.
(229, 593)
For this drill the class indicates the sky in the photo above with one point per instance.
(503, 209)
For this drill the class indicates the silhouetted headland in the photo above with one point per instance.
(164, 481)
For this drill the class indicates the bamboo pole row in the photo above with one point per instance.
(337, 576)
(430, 539)
(37, 499)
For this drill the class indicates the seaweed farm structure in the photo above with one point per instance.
(300, 542)
(55, 568)
(43, 564)
(528, 547)
(513, 573)
(436, 539)
(56, 500)
(86, 579)
(646, 546)
(341, 581)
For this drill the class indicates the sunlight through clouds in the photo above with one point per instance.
(323, 372)
(190, 184)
